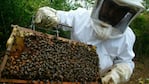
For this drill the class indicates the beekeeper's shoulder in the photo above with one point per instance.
(129, 35)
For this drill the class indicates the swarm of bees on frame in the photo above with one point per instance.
(53, 59)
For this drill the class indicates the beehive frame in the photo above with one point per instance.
(25, 32)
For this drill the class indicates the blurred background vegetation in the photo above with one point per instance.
(20, 12)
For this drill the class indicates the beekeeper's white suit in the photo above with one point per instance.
(106, 27)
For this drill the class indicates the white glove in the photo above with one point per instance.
(46, 17)
(118, 74)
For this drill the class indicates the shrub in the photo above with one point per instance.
(141, 28)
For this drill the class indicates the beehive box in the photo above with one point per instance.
(33, 55)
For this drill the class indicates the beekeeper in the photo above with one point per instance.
(105, 27)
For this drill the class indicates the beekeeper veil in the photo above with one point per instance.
(110, 18)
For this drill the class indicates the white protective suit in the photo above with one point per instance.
(114, 42)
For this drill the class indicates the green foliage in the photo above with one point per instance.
(60, 4)
(19, 12)
(141, 28)
(147, 3)
(64, 5)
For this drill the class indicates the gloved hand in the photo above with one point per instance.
(46, 17)
(118, 74)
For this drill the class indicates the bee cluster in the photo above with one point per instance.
(53, 59)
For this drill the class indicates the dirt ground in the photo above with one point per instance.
(141, 71)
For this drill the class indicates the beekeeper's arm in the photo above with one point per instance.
(123, 64)
(49, 17)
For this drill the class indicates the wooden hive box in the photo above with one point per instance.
(35, 57)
